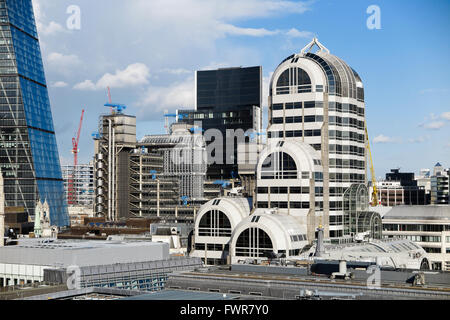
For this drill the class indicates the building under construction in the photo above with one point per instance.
(82, 179)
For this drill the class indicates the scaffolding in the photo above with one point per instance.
(82, 176)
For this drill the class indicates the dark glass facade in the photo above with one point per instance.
(28, 151)
(227, 99)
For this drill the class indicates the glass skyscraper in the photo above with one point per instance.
(28, 151)
(227, 99)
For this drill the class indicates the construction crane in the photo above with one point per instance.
(72, 194)
(372, 172)
(177, 116)
(116, 108)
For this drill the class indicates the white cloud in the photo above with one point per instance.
(180, 95)
(434, 125)
(43, 28)
(446, 116)
(134, 75)
(85, 85)
(420, 139)
(294, 33)
(59, 84)
(229, 29)
(177, 71)
(383, 139)
(59, 60)
(206, 21)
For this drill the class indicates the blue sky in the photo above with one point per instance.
(147, 52)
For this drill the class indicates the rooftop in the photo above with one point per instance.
(432, 212)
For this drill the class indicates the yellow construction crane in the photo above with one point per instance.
(372, 172)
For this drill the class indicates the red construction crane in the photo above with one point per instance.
(72, 194)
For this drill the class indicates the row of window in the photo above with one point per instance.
(284, 205)
(292, 190)
(347, 177)
(347, 136)
(298, 238)
(211, 247)
(347, 122)
(347, 164)
(297, 105)
(346, 108)
(297, 119)
(345, 149)
(333, 106)
(417, 227)
(295, 133)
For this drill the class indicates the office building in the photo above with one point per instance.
(428, 226)
(161, 176)
(401, 188)
(142, 265)
(289, 181)
(82, 177)
(228, 101)
(440, 185)
(115, 140)
(316, 98)
(28, 150)
(424, 181)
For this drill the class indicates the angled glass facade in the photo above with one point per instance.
(28, 151)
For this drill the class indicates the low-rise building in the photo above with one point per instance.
(428, 226)
(25, 263)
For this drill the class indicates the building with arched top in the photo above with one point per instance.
(289, 178)
(214, 225)
(267, 232)
(316, 98)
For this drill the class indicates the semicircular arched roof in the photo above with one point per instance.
(304, 155)
(236, 209)
(342, 79)
(278, 227)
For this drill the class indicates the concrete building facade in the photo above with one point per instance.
(428, 226)
(316, 98)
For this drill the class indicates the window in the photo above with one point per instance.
(214, 223)
(294, 78)
(279, 165)
(253, 242)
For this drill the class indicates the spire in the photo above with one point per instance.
(314, 42)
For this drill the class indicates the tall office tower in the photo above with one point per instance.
(28, 151)
(112, 147)
(318, 99)
(227, 100)
(83, 182)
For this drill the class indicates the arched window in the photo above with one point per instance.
(279, 165)
(214, 223)
(253, 242)
(302, 77)
(294, 78)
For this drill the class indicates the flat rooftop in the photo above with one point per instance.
(64, 253)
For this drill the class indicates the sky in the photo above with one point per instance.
(147, 51)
